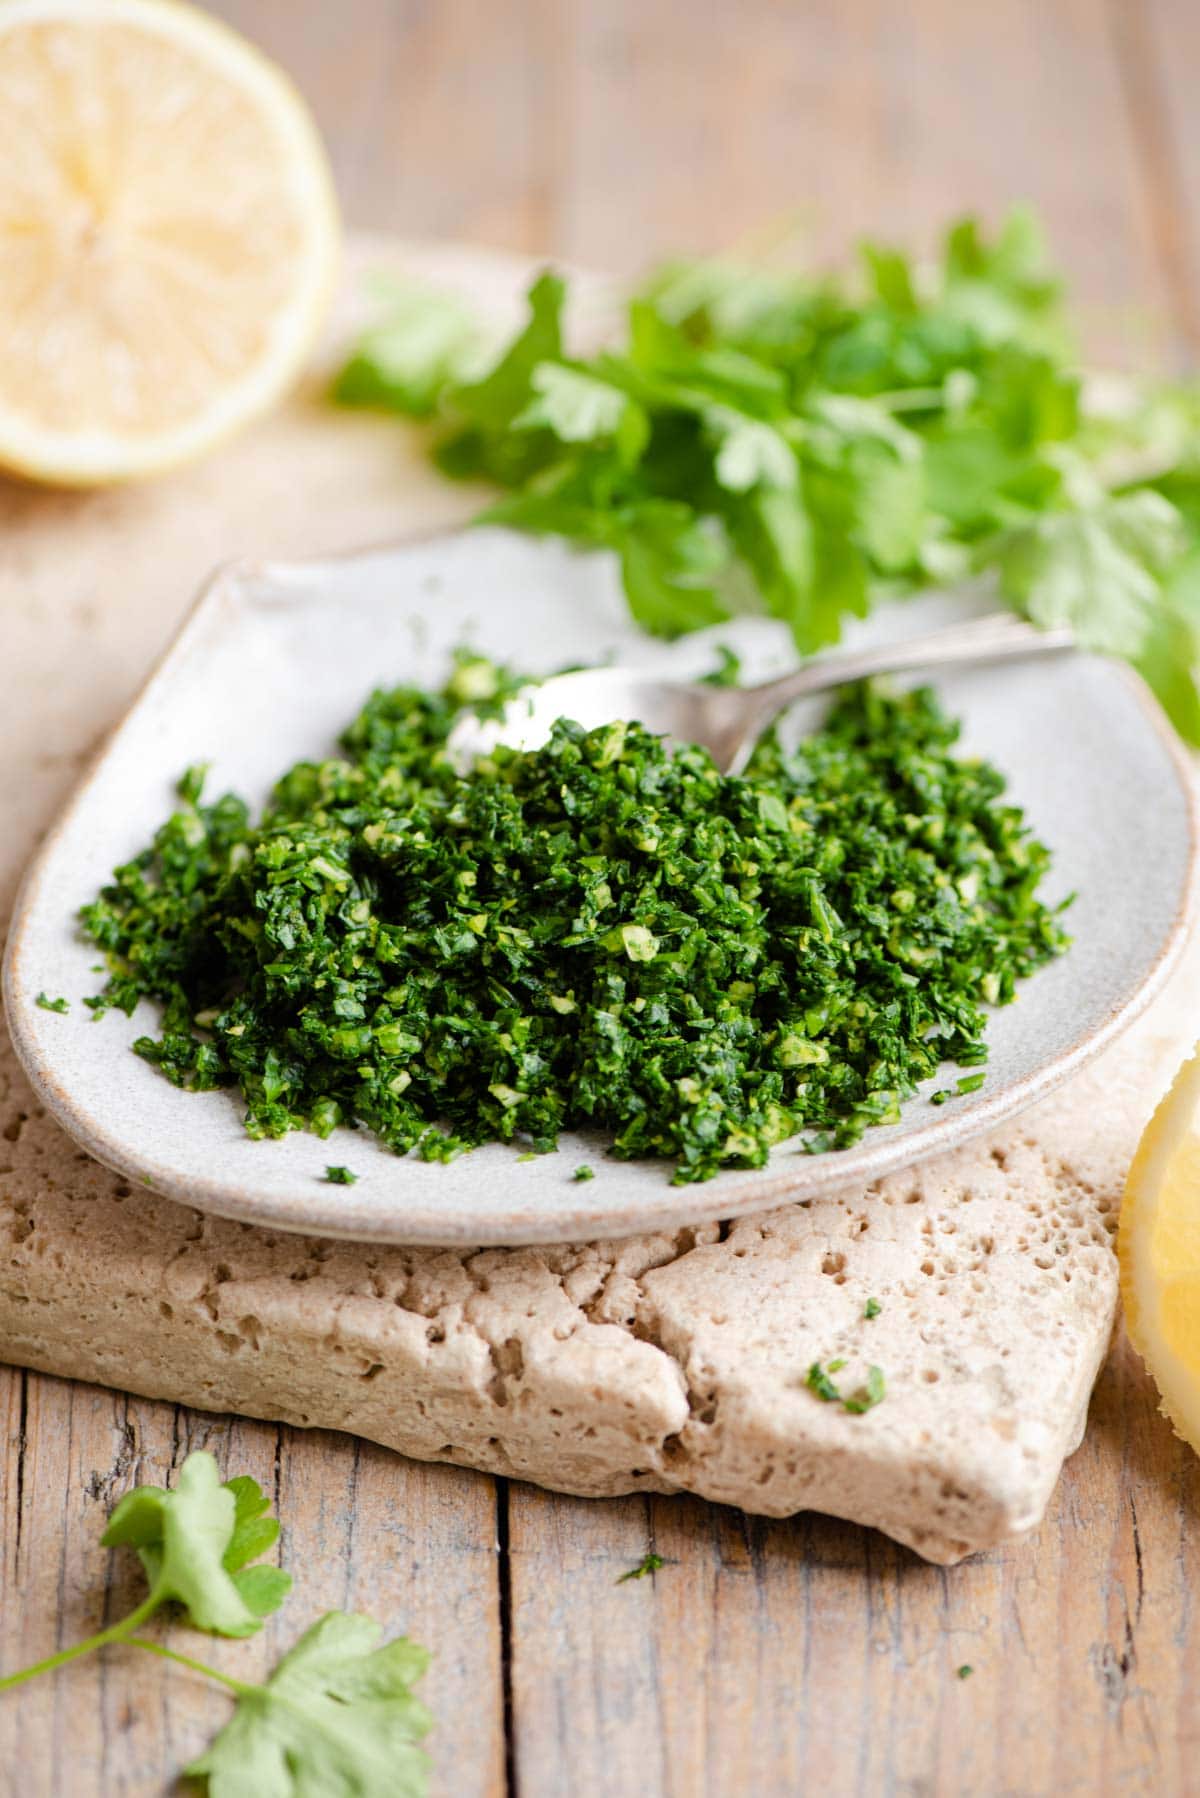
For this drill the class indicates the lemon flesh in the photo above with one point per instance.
(168, 236)
(1159, 1248)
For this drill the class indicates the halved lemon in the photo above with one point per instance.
(1159, 1248)
(168, 236)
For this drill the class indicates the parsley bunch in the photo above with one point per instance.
(336, 1716)
(819, 445)
(604, 933)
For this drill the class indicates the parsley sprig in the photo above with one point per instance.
(603, 934)
(829, 443)
(338, 1711)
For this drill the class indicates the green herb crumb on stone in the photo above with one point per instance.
(340, 1176)
(48, 1004)
(871, 1309)
(870, 1394)
(965, 1672)
(818, 1381)
(584, 1173)
(602, 934)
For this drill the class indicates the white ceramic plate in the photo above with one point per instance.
(275, 659)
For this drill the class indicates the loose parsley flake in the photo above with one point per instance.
(340, 1176)
(649, 1563)
(872, 1308)
(864, 1399)
(965, 1671)
(602, 934)
(969, 1083)
(868, 1395)
(818, 1381)
(584, 1173)
(728, 671)
(48, 1004)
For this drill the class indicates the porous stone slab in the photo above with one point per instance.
(673, 1362)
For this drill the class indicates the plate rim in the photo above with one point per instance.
(803, 1177)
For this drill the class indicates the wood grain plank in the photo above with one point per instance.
(616, 131)
(766, 1651)
(435, 115)
(873, 119)
(1158, 52)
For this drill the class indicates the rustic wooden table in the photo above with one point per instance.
(766, 1657)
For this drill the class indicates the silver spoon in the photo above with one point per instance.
(728, 721)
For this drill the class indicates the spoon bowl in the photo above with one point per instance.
(728, 721)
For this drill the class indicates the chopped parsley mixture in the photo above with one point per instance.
(605, 933)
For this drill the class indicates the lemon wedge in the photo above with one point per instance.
(1159, 1248)
(168, 236)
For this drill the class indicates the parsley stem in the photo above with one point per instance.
(185, 1660)
(117, 1632)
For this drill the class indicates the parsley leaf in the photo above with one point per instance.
(579, 408)
(340, 1176)
(336, 1716)
(1098, 570)
(48, 1004)
(669, 564)
(425, 340)
(194, 1543)
(498, 398)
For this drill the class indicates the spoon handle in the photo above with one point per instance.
(998, 637)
